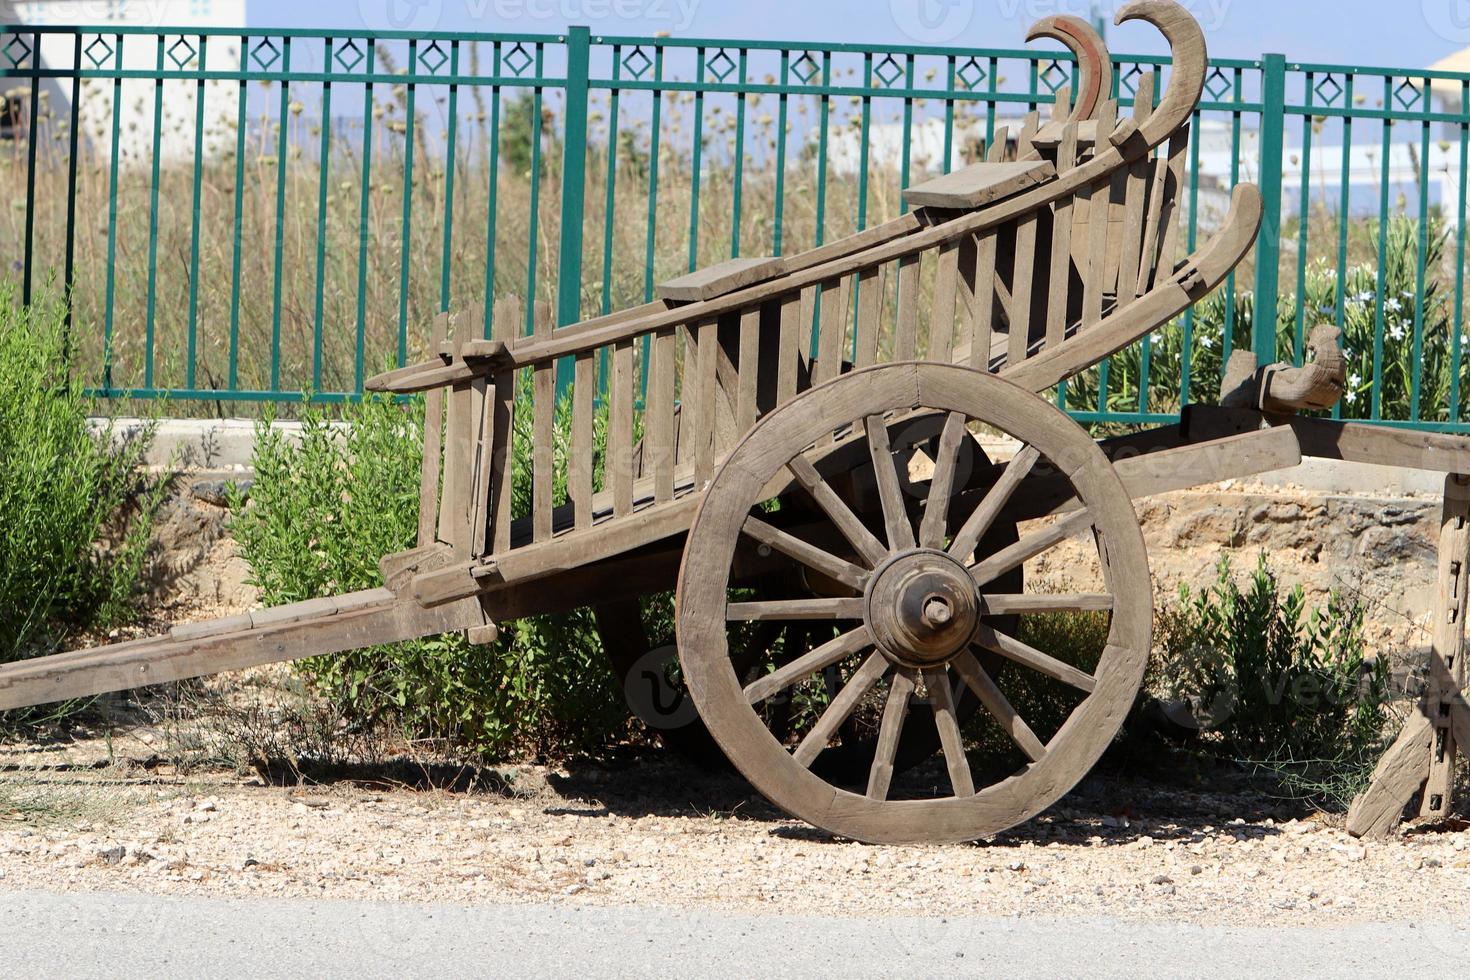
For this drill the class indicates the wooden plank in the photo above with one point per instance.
(1099, 214)
(543, 432)
(979, 184)
(721, 278)
(433, 447)
(983, 332)
(1399, 775)
(946, 290)
(1023, 284)
(1061, 248)
(788, 365)
(906, 328)
(1136, 201)
(1167, 255)
(831, 331)
(581, 462)
(360, 620)
(749, 369)
(690, 410)
(620, 429)
(509, 315)
(659, 411)
(870, 314)
(708, 336)
(462, 428)
(1447, 646)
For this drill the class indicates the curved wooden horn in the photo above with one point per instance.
(1191, 60)
(1095, 64)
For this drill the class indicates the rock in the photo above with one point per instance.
(111, 856)
(1195, 869)
(1162, 880)
(574, 889)
(1017, 866)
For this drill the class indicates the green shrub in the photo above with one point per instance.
(76, 508)
(1285, 689)
(320, 516)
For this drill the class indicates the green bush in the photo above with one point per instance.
(1390, 368)
(76, 508)
(323, 512)
(1286, 689)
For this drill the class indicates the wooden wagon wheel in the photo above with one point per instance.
(634, 651)
(923, 600)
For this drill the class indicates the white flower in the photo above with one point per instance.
(1206, 343)
(1394, 305)
(1354, 380)
(1351, 397)
(1396, 332)
(1365, 297)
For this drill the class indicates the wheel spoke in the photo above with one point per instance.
(999, 707)
(1013, 649)
(870, 673)
(895, 711)
(989, 509)
(1028, 547)
(1007, 605)
(941, 698)
(788, 609)
(941, 485)
(838, 512)
(808, 554)
(885, 472)
(829, 653)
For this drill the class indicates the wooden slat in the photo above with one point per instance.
(689, 407)
(543, 432)
(946, 287)
(1148, 251)
(832, 331)
(906, 329)
(1029, 127)
(506, 325)
(870, 314)
(433, 446)
(983, 330)
(1021, 289)
(1136, 201)
(580, 464)
(967, 290)
(708, 337)
(658, 444)
(749, 369)
(1061, 247)
(1099, 214)
(996, 152)
(462, 427)
(1163, 261)
(788, 365)
(620, 429)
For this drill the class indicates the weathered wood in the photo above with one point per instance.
(946, 295)
(1400, 774)
(659, 444)
(870, 315)
(543, 433)
(906, 328)
(979, 184)
(620, 429)
(716, 280)
(581, 462)
(1061, 249)
(433, 447)
(1447, 676)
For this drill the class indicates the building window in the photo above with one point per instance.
(12, 118)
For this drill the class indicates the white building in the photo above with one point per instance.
(135, 98)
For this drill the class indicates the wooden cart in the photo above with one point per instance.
(848, 559)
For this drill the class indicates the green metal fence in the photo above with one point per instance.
(254, 215)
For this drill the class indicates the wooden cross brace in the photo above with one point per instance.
(1422, 761)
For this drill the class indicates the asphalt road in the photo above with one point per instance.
(100, 935)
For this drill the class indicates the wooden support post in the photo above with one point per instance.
(1423, 757)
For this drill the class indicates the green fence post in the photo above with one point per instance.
(1268, 246)
(573, 190)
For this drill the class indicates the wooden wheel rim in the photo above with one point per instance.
(702, 601)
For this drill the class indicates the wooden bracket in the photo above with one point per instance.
(1422, 761)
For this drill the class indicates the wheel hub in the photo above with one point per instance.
(922, 608)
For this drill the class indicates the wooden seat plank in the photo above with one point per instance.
(979, 184)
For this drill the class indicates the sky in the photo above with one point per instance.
(1395, 33)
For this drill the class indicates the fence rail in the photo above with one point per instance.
(249, 215)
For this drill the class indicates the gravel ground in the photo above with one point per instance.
(652, 832)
